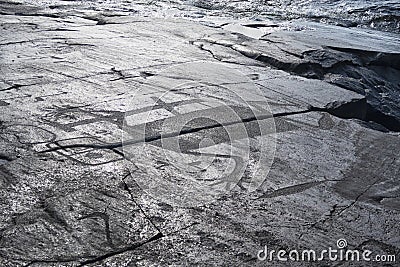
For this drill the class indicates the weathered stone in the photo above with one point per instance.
(80, 77)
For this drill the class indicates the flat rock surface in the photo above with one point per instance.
(163, 133)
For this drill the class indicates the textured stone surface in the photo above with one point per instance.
(70, 79)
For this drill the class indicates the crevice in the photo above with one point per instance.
(32, 262)
(95, 259)
(134, 246)
(126, 188)
(339, 210)
(14, 86)
(122, 75)
(352, 110)
(123, 250)
(294, 189)
(61, 30)
(16, 42)
(5, 158)
(201, 46)
(360, 109)
(176, 134)
(312, 66)
(260, 25)
(220, 59)
(355, 109)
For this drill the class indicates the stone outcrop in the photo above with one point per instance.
(74, 77)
